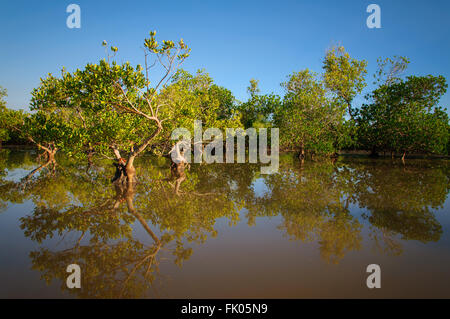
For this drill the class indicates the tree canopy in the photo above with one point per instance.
(112, 110)
(404, 117)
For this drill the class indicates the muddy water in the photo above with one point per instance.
(308, 231)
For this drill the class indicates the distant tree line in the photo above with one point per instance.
(113, 110)
(317, 115)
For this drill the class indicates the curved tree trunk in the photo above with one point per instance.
(178, 173)
(126, 193)
(125, 170)
(131, 171)
(51, 156)
(49, 152)
(50, 159)
(302, 155)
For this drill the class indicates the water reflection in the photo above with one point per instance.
(327, 203)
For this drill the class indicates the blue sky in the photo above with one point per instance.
(233, 40)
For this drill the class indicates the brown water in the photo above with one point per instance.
(307, 232)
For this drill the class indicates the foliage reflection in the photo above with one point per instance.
(324, 202)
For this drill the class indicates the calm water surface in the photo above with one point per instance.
(225, 230)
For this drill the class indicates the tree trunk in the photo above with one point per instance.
(90, 154)
(131, 171)
(51, 156)
(125, 168)
(178, 173)
(49, 151)
(301, 155)
(126, 193)
(349, 107)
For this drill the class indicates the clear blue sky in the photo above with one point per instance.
(233, 40)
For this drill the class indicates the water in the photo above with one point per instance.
(309, 231)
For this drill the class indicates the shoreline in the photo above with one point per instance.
(343, 153)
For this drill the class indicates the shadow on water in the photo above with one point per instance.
(121, 233)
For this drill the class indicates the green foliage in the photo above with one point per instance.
(227, 102)
(404, 117)
(312, 118)
(344, 75)
(10, 120)
(390, 69)
(194, 97)
(47, 130)
(111, 106)
(259, 109)
(309, 118)
(4, 132)
(448, 142)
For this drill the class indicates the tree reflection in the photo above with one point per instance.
(115, 262)
(399, 201)
(314, 199)
(325, 202)
(402, 199)
(310, 199)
